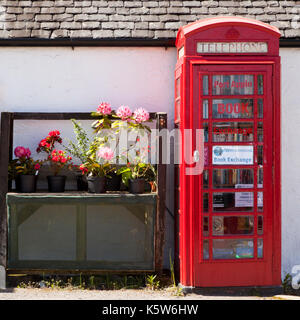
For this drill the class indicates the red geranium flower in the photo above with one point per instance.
(47, 144)
(54, 133)
(58, 160)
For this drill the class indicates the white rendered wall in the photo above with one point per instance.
(62, 79)
(66, 80)
(290, 158)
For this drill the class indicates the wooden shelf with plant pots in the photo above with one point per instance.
(112, 202)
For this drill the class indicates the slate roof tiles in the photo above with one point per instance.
(117, 19)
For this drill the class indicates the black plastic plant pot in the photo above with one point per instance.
(96, 184)
(56, 183)
(113, 182)
(26, 183)
(137, 185)
(82, 184)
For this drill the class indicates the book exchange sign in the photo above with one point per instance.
(232, 155)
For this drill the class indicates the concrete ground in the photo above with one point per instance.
(124, 294)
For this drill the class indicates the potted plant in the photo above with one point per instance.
(97, 168)
(138, 170)
(134, 176)
(57, 159)
(150, 179)
(79, 150)
(108, 126)
(107, 131)
(24, 170)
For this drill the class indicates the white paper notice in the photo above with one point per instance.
(245, 199)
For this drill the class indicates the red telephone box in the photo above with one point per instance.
(227, 82)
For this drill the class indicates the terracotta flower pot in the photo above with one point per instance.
(56, 183)
(96, 184)
(137, 185)
(26, 183)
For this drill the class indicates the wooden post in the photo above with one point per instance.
(161, 123)
(5, 156)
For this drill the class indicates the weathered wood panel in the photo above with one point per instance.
(5, 155)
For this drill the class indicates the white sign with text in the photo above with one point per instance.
(232, 155)
(232, 47)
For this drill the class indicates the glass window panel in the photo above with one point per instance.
(238, 84)
(205, 85)
(44, 232)
(260, 84)
(205, 202)
(232, 108)
(232, 131)
(260, 225)
(232, 248)
(206, 134)
(205, 179)
(260, 154)
(260, 201)
(260, 248)
(130, 241)
(232, 225)
(260, 132)
(206, 156)
(229, 178)
(205, 226)
(232, 201)
(260, 177)
(260, 108)
(205, 109)
(206, 249)
(48, 233)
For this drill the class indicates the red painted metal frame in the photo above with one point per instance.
(255, 271)
(192, 270)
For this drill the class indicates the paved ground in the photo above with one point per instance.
(64, 294)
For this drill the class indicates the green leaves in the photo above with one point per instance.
(103, 123)
(126, 175)
(80, 149)
(22, 166)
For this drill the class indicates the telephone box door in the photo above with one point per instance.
(234, 226)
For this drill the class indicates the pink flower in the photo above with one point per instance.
(21, 152)
(37, 167)
(141, 115)
(28, 152)
(105, 153)
(104, 108)
(124, 112)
